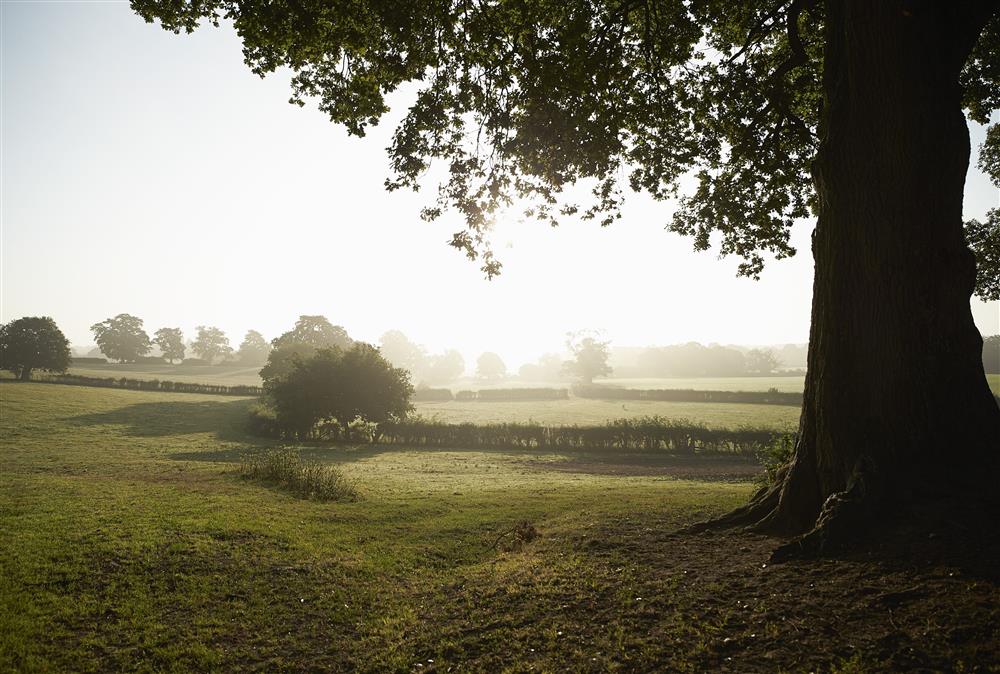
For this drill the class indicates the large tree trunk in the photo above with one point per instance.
(897, 410)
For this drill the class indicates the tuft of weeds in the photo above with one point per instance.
(286, 469)
(776, 455)
(516, 537)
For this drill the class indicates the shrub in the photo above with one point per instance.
(285, 469)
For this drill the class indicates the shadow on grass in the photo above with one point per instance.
(610, 463)
(226, 419)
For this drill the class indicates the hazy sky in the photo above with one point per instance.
(153, 174)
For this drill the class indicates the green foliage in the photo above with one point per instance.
(122, 338)
(520, 100)
(254, 349)
(590, 357)
(284, 468)
(314, 331)
(33, 343)
(152, 385)
(211, 344)
(776, 455)
(769, 397)
(309, 334)
(984, 240)
(171, 343)
(343, 385)
(644, 434)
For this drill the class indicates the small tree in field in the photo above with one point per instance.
(212, 343)
(33, 343)
(490, 366)
(171, 343)
(122, 338)
(590, 357)
(341, 385)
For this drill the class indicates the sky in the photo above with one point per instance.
(148, 173)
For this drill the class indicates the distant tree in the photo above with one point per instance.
(122, 338)
(991, 354)
(590, 357)
(444, 368)
(309, 334)
(339, 385)
(211, 344)
(548, 367)
(171, 343)
(762, 361)
(315, 331)
(401, 352)
(490, 366)
(254, 349)
(691, 360)
(984, 240)
(33, 343)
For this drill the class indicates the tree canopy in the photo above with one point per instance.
(254, 349)
(171, 343)
(340, 385)
(309, 334)
(122, 338)
(520, 100)
(211, 344)
(33, 343)
(984, 239)
(590, 357)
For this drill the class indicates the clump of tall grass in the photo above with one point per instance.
(284, 468)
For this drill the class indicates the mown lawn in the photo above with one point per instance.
(129, 543)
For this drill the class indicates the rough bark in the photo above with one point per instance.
(897, 410)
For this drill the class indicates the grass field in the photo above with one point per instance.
(583, 412)
(138, 548)
(130, 544)
(234, 375)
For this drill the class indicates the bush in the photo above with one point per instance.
(285, 469)
(151, 385)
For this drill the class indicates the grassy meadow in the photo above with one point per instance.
(583, 411)
(133, 544)
(138, 547)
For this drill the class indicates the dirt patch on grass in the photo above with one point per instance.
(683, 467)
(642, 600)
